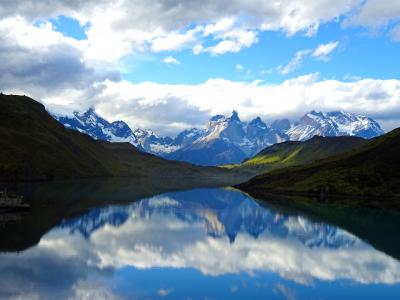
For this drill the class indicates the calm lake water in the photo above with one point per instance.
(196, 244)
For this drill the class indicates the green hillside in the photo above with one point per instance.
(294, 153)
(34, 146)
(371, 170)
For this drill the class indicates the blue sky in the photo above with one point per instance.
(171, 65)
(360, 54)
(355, 52)
(67, 26)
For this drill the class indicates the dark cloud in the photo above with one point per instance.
(55, 68)
(174, 14)
(47, 70)
(38, 272)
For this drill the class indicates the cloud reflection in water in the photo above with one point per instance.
(215, 232)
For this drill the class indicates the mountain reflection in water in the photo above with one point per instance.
(202, 243)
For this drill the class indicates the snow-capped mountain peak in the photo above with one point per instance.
(120, 129)
(225, 139)
(143, 133)
(229, 140)
(257, 122)
(336, 123)
(189, 136)
(98, 128)
(217, 118)
(221, 127)
(281, 125)
(234, 117)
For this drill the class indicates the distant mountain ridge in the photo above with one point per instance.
(225, 140)
(91, 123)
(336, 123)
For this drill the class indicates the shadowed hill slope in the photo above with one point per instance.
(370, 170)
(34, 146)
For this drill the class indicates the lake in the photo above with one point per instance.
(200, 243)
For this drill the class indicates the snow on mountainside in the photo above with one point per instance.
(188, 136)
(225, 140)
(98, 128)
(152, 143)
(228, 140)
(336, 123)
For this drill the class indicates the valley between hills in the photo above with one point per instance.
(36, 147)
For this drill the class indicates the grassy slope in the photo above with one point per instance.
(34, 146)
(371, 170)
(293, 153)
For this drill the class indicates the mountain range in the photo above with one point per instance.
(224, 140)
(34, 146)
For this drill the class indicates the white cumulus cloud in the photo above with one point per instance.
(323, 51)
(169, 108)
(171, 60)
(294, 63)
(116, 28)
(239, 67)
(62, 71)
